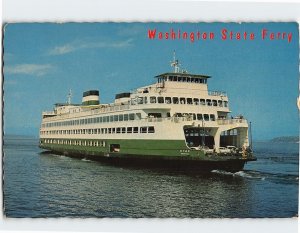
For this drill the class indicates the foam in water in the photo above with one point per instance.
(85, 160)
(239, 173)
(222, 172)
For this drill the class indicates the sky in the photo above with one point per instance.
(43, 61)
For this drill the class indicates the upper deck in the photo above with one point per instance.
(173, 91)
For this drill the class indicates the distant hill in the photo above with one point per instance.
(293, 139)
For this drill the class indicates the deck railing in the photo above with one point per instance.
(217, 93)
(231, 121)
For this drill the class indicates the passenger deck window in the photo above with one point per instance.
(214, 103)
(143, 130)
(129, 129)
(116, 118)
(202, 101)
(135, 129)
(131, 116)
(151, 129)
(182, 100)
(189, 101)
(120, 117)
(212, 117)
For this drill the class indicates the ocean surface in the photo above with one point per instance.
(47, 185)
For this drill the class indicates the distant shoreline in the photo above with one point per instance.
(291, 139)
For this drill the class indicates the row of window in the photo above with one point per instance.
(118, 130)
(75, 142)
(125, 117)
(185, 79)
(198, 116)
(102, 119)
(180, 100)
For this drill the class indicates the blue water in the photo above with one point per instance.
(48, 185)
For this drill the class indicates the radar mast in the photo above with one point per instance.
(175, 63)
(69, 97)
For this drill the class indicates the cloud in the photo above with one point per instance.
(76, 45)
(30, 69)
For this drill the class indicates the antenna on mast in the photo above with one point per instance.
(175, 63)
(69, 97)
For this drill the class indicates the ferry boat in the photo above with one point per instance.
(175, 122)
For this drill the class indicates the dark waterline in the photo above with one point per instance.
(46, 185)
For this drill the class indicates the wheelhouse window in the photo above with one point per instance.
(206, 117)
(220, 103)
(182, 100)
(202, 101)
(196, 101)
(208, 102)
(152, 99)
(214, 103)
(175, 100)
(140, 100)
(199, 117)
(133, 101)
(168, 100)
(189, 101)
(160, 100)
(145, 100)
(225, 104)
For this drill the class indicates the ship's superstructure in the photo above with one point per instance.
(177, 119)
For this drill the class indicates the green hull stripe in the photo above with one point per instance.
(131, 147)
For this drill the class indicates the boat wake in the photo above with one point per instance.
(250, 174)
(86, 160)
(245, 174)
